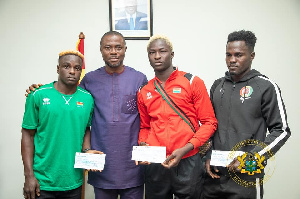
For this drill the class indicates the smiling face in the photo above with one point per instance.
(113, 50)
(160, 55)
(69, 69)
(130, 6)
(238, 59)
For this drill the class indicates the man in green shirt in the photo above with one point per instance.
(57, 119)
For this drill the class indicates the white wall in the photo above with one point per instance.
(33, 32)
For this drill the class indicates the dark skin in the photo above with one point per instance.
(31, 185)
(87, 145)
(32, 88)
(69, 71)
(238, 59)
(113, 49)
(160, 57)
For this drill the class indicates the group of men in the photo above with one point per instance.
(124, 110)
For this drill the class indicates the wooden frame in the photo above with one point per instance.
(132, 18)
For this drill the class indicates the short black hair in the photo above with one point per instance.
(112, 33)
(243, 35)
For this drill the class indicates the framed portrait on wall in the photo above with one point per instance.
(132, 18)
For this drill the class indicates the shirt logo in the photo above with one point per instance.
(176, 90)
(79, 104)
(245, 93)
(149, 95)
(46, 101)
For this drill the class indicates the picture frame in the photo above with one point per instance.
(132, 18)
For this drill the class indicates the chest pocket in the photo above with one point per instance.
(129, 105)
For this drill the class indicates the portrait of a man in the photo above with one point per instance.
(129, 17)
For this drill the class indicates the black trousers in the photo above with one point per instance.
(184, 181)
(226, 188)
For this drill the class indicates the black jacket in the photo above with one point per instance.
(248, 115)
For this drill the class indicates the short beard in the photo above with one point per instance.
(232, 73)
(113, 65)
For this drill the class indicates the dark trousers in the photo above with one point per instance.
(184, 181)
(70, 194)
(130, 193)
(226, 188)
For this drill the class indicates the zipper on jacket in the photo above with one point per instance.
(164, 108)
(230, 104)
(222, 91)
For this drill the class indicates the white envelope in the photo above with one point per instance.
(223, 158)
(153, 154)
(89, 161)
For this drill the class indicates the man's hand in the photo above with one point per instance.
(233, 166)
(144, 162)
(174, 159)
(31, 187)
(32, 88)
(208, 169)
(94, 152)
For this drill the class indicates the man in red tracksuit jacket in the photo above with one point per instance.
(181, 173)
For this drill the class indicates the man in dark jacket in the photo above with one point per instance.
(246, 104)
